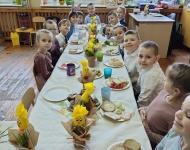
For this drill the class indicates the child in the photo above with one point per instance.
(131, 45)
(91, 13)
(80, 17)
(121, 15)
(42, 59)
(178, 138)
(64, 27)
(55, 49)
(159, 115)
(108, 30)
(73, 20)
(119, 36)
(151, 77)
(113, 18)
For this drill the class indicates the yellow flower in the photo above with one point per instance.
(21, 111)
(93, 26)
(79, 110)
(94, 18)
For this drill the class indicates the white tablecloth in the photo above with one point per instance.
(47, 121)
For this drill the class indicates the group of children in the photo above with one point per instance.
(159, 97)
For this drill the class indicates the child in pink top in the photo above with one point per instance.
(159, 115)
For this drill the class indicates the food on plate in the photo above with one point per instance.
(112, 52)
(73, 51)
(112, 115)
(131, 144)
(108, 106)
(95, 101)
(63, 65)
(117, 83)
(110, 43)
(118, 147)
(115, 62)
(97, 71)
(77, 42)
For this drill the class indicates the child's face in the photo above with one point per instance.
(182, 119)
(131, 43)
(120, 13)
(91, 10)
(113, 20)
(147, 57)
(45, 41)
(80, 19)
(73, 20)
(53, 28)
(119, 34)
(64, 28)
(109, 31)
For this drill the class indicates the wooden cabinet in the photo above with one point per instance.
(185, 20)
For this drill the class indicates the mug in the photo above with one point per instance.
(70, 69)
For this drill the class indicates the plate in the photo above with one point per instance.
(77, 42)
(111, 52)
(125, 87)
(75, 51)
(64, 64)
(128, 109)
(157, 15)
(100, 72)
(116, 144)
(82, 28)
(108, 63)
(57, 93)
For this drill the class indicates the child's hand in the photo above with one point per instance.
(142, 113)
(145, 123)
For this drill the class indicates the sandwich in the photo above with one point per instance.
(123, 80)
(131, 144)
(73, 51)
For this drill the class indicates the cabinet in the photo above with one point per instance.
(185, 20)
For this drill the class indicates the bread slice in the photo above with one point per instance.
(118, 147)
(123, 80)
(112, 115)
(116, 81)
(73, 51)
(108, 106)
(131, 144)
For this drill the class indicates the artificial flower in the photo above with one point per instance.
(89, 88)
(21, 111)
(79, 110)
(85, 68)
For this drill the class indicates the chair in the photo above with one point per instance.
(36, 20)
(28, 98)
(35, 74)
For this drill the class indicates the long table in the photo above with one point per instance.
(47, 121)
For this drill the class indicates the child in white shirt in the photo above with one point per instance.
(121, 15)
(131, 44)
(64, 28)
(113, 18)
(151, 77)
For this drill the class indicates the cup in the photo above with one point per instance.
(106, 92)
(107, 72)
(70, 69)
(100, 56)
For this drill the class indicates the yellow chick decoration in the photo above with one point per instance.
(79, 114)
(22, 114)
(85, 68)
(146, 9)
(89, 89)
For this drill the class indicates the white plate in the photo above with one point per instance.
(128, 109)
(81, 42)
(116, 144)
(64, 64)
(108, 63)
(157, 15)
(111, 52)
(97, 77)
(78, 51)
(125, 87)
(57, 93)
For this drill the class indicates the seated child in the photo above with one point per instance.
(55, 49)
(158, 117)
(131, 45)
(119, 32)
(80, 17)
(91, 13)
(108, 30)
(178, 138)
(113, 18)
(151, 77)
(42, 59)
(64, 27)
(121, 15)
(73, 20)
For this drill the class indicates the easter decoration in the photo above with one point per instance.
(25, 137)
(78, 126)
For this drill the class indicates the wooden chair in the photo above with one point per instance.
(28, 98)
(35, 74)
(37, 21)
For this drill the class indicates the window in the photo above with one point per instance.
(6, 2)
(83, 2)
